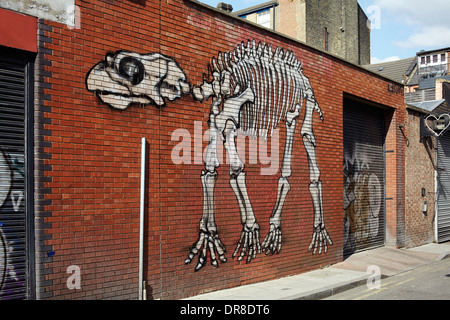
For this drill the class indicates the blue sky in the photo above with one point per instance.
(401, 27)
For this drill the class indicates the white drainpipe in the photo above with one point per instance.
(142, 295)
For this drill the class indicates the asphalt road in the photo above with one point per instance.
(429, 282)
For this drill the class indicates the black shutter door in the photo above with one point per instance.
(364, 171)
(13, 90)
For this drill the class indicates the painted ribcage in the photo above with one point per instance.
(274, 76)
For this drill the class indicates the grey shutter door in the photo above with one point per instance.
(13, 82)
(443, 189)
(364, 176)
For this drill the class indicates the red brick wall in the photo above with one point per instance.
(395, 178)
(94, 169)
(420, 157)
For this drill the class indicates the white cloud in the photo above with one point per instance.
(375, 60)
(429, 37)
(428, 21)
(414, 12)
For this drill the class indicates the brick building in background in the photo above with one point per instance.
(338, 27)
(426, 79)
(77, 99)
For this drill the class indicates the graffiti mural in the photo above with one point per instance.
(126, 77)
(363, 198)
(252, 89)
(5, 185)
(438, 125)
(3, 258)
(11, 248)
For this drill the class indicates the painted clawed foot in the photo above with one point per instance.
(207, 241)
(248, 243)
(272, 242)
(320, 239)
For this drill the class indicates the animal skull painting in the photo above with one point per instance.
(126, 77)
(253, 88)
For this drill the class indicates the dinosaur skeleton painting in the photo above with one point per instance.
(252, 89)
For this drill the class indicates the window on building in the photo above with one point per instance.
(443, 57)
(263, 18)
(326, 36)
(435, 58)
(428, 59)
(422, 60)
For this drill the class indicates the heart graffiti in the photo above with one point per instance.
(438, 124)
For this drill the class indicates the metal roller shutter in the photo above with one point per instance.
(13, 90)
(443, 189)
(364, 172)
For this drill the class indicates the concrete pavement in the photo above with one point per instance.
(342, 276)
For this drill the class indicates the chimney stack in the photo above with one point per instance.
(225, 7)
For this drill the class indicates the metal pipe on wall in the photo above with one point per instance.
(141, 222)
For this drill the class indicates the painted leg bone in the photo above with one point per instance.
(208, 235)
(224, 122)
(248, 244)
(272, 242)
(320, 238)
